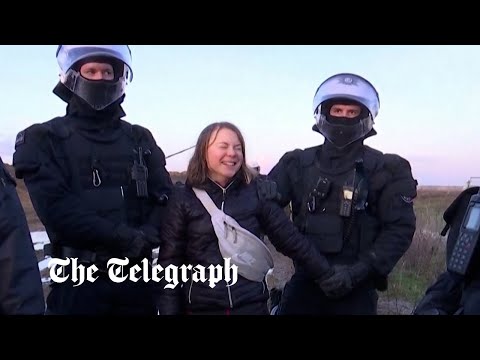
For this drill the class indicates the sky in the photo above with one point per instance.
(429, 98)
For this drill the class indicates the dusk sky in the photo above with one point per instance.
(429, 98)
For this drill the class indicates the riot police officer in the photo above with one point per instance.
(352, 201)
(21, 290)
(97, 182)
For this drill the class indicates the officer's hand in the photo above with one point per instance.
(132, 242)
(344, 279)
(267, 190)
(337, 285)
(152, 235)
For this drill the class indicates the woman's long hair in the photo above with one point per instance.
(197, 171)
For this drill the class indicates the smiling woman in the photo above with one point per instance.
(193, 235)
(224, 155)
(219, 156)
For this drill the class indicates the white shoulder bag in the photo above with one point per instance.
(245, 250)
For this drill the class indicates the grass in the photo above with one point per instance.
(425, 259)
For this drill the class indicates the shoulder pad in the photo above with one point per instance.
(395, 166)
(137, 131)
(395, 178)
(34, 133)
(395, 163)
(291, 156)
(140, 128)
(373, 151)
(142, 131)
(300, 157)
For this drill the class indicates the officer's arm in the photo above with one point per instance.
(282, 173)
(172, 253)
(289, 241)
(159, 182)
(21, 290)
(397, 218)
(55, 204)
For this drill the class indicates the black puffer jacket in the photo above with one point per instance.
(188, 238)
(21, 290)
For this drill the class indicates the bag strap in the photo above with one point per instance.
(206, 201)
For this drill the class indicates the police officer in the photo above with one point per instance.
(352, 201)
(97, 182)
(21, 290)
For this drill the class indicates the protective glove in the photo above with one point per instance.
(345, 278)
(267, 190)
(133, 243)
(151, 235)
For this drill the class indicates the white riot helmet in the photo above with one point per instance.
(255, 166)
(97, 93)
(345, 88)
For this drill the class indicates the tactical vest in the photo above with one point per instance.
(99, 169)
(335, 210)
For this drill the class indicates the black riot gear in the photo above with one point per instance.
(96, 182)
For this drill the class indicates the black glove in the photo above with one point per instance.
(267, 190)
(132, 242)
(151, 235)
(344, 279)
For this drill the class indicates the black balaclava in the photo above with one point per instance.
(339, 151)
(342, 131)
(79, 108)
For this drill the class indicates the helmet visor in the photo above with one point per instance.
(98, 94)
(68, 55)
(342, 135)
(349, 86)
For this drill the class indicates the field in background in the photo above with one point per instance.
(415, 271)
(425, 259)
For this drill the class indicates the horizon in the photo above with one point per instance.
(428, 97)
(420, 187)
